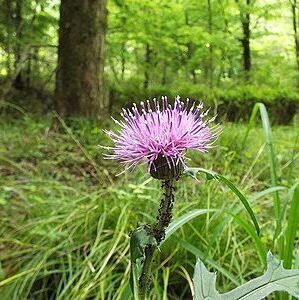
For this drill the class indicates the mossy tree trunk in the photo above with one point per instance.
(80, 89)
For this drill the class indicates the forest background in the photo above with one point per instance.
(66, 66)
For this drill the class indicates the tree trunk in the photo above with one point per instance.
(246, 43)
(190, 71)
(210, 29)
(18, 81)
(28, 72)
(80, 72)
(123, 60)
(9, 22)
(164, 73)
(147, 58)
(245, 40)
(295, 27)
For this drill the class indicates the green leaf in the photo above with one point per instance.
(260, 247)
(140, 239)
(179, 222)
(276, 278)
(271, 153)
(235, 210)
(198, 253)
(204, 283)
(193, 171)
(292, 227)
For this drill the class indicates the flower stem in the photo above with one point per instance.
(145, 278)
(158, 231)
(165, 211)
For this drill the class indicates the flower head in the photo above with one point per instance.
(159, 134)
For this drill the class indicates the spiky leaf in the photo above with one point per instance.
(276, 278)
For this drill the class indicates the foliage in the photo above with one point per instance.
(169, 48)
(212, 175)
(276, 278)
(232, 104)
(33, 37)
(65, 224)
(65, 217)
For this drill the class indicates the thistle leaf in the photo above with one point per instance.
(140, 238)
(204, 283)
(276, 278)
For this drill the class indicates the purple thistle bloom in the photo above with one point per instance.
(151, 133)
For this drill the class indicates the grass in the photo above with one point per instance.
(65, 218)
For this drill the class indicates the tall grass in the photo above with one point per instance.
(282, 215)
(65, 224)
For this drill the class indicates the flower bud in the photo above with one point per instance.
(165, 170)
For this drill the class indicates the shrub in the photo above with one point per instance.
(232, 103)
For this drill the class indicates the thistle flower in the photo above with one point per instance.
(159, 134)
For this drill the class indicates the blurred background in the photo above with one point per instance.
(66, 66)
(230, 53)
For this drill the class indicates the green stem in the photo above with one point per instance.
(145, 277)
(165, 211)
(158, 231)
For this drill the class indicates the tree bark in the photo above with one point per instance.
(8, 44)
(164, 73)
(80, 73)
(210, 29)
(123, 60)
(147, 58)
(295, 28)
(18, 81)
(28, 72)
(245, 40)
(190, 71)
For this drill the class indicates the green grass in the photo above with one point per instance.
(65, 218)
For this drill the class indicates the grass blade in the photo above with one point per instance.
(179, 222)
(292, 227)
(211, 174)
(271, 154)
(260, 247)
(199, 254)
(235, 210)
